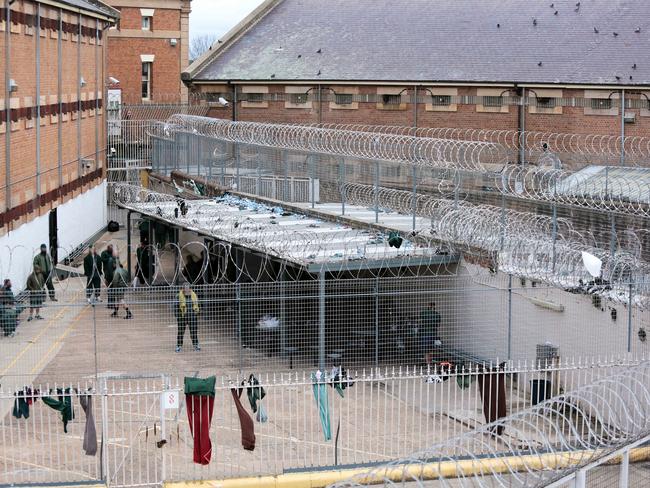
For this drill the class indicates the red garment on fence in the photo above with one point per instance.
(245, 421)
(199, 414)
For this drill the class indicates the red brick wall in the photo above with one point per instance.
(24, 138)
(572, 119)
(127, 44)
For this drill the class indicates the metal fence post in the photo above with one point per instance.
(580, 479)
(376, 293)
(321, 320)
(377, 192)
(312, 168)
(509, 316)
(104, 472)
(629, 320)
(625, 470)
(415, 193)
(342, 170)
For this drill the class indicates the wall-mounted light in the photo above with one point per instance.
(13, 86)
(82, 82)
(173, 42)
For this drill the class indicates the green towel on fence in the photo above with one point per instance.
(200, 386)
(320, 394)
(63, 405)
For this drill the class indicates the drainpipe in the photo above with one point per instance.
(415, 106)
(521, 124)
(234, 101)
(320, 104)
(622, 127)
(7, 106)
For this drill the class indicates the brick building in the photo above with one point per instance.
(148, 48)
(52, 135)
(520, 65)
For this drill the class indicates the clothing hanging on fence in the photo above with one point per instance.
(63, 405)
(256, 393)
(90, 434)
(340, 380)
(199, 398)
(492, 386)
(320, 394)
(245, 421)
(24, 399)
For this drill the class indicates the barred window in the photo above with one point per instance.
(601, 103)
(546, 102)
(492, 101)
(441, 100)
(298, 98)
(343, 99)
(391, 99)
(255, 97)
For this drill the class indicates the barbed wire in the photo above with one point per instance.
(526, 244)
(543, 444)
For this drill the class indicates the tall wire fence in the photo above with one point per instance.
(141, 435)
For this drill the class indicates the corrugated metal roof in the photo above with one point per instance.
(445, 40)
(617, 183)
(93, 6)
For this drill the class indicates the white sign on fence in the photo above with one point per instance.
(170, 399)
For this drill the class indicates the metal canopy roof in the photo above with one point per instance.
(311, 243)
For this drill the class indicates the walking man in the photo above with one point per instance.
(108, 258)
(92, 272)
(35, 286)
(44, 262)
(118, 289)
(187, 311)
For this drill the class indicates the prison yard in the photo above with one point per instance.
(344, 244)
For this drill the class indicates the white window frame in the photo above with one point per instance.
(149, 76)
(146, 22)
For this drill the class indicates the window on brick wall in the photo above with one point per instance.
(492, 101)
(343, 98)
(391, 99)
(147, 22)
(254, 97)
(546, 102)
(601, 103)
(298, 98)
(147, 71)
(441, 100)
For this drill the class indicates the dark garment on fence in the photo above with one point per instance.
(254, 392)
(90, 434)
(189, 320)
(493, 393)
(245, 421)
(199, 399)
(21, 407)
(63, 404)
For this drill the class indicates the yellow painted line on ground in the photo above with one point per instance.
(58, 341)
(42, 466)
(33, 341)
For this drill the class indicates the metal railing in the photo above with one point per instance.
(144, 437)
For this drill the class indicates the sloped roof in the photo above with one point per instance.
(95, 6)
(441, 40)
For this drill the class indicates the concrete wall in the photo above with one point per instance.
(480, 325)
(78, 220)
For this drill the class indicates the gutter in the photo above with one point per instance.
(413, 472)
(88, 13)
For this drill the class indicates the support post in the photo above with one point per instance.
(622, 127)
(625, 470)
(342, 178)
(580, 479)
(104, 474)
(238, 264)
(283, 313)
(312, 182)
(629, 320)
(415, 195)
(376, 293)
(129, 249)
(321, 320)
(37, 37)
(509, 317)
(7, 111)
(612, 235)
(376, 192)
